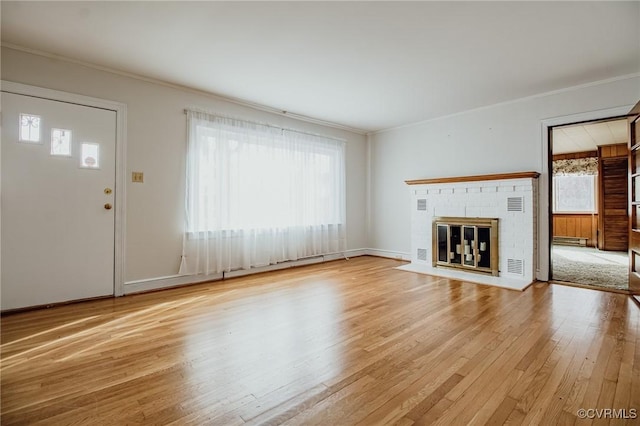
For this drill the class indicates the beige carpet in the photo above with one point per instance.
(589, 266)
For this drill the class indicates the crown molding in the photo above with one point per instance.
(513, 101)
(237, 101)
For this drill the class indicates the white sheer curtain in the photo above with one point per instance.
(258, 195)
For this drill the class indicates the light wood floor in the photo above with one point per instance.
(346, 342)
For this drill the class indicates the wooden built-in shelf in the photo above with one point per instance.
(498, 176)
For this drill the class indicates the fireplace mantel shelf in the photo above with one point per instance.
(499, 176)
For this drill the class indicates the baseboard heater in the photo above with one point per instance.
(570, 241)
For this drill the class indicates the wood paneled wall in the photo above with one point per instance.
(575, 155)
(576, 225)
(608, 151)
(613, 220)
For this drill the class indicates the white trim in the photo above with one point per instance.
(368, 185)
(167, 282)
(121, 157)
(543, 181)
(398, 255)
(236, 101)
(278, 266)
(180, 280)
(345, 254)
(513, 101)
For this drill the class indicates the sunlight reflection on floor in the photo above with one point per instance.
(283, 343)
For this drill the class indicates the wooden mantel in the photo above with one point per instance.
(498, 176)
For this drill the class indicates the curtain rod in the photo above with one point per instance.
(288, 129)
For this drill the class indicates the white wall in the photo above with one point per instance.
(497, 139)
(156, 146)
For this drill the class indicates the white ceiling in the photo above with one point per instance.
(588, 137)
(367, 65)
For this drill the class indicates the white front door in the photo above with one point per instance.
(58, 196)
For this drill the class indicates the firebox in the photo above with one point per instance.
(466, 243)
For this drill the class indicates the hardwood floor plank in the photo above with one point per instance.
(419, 410)
(546, 395)
(344, 342)
(484, 411)
(502, 412)
(553, 412)
(622, 395)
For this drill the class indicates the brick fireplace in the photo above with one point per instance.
(473, 204)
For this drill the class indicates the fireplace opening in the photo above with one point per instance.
(466, 243)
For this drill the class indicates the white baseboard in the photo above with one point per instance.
(166, 282)
(346, 254)
(138, 286)
(276, 267)
(398, 255)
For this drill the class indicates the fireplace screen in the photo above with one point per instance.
(466, 243)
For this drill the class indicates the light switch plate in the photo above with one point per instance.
(137, 177)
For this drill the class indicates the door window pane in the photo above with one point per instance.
(635, 221)
(469, 245)
(635, 262)
(61, 142)
(636, 161)
(484, 247)
(455, 239)
(29, 128)
(443, 253)
(90, 155)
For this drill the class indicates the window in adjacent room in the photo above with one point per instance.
(574, 194)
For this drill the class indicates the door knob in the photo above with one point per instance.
(107, 206)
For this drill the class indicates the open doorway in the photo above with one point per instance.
(589, 204)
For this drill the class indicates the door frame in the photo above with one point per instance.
(544, 181)
(120, 167)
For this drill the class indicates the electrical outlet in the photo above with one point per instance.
(137, 177)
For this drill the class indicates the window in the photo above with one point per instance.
(29, 128)
(574, 193)
(260, 195)
(90, 156)
(61, 142)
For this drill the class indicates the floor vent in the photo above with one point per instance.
(422, 254)
(422, 204)
(515, 266)
(515, 204)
